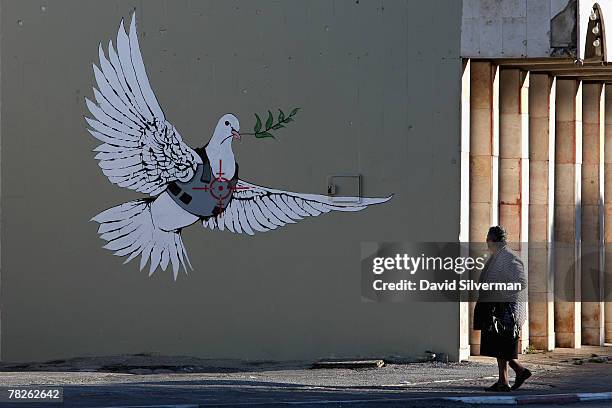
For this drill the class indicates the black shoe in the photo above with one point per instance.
(497, 387)
(520, 379)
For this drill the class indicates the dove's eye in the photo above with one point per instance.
(227, 123)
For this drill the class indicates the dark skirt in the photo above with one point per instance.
(494, 345)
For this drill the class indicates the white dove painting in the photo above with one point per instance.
(143, 151)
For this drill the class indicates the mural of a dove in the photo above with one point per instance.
(144, 152)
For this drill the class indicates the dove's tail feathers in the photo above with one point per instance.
(129, 229)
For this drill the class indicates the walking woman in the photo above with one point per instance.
(500, 315)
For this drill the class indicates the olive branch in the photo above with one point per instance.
(260, 132)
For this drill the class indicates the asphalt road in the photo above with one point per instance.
(300, 387)
(106, 383)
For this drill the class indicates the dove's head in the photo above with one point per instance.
(228, 128)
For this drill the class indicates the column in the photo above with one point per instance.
(542, 91)
(568, 158)
(592, 256)
(608, 215)
(464, 223)
(514, 164)
(484, 151)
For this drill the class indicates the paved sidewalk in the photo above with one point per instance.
(153, 380)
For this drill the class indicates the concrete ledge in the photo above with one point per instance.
(349, 364)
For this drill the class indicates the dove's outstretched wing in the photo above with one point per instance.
(141, 151)
(260, 209)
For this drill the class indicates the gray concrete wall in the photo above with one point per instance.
(379, 83)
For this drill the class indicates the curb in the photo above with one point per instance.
(534, 399)
(556, 399)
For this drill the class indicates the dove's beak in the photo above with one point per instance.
(235, 134)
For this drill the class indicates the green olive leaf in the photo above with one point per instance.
(262, 130)
(264, 135)
(258, 124)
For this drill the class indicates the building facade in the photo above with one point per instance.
(470, 113)
(535, 86)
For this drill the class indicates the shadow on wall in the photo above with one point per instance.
(563, 29)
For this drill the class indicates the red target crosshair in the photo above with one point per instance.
(220, 187)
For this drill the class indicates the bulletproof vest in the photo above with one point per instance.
(207, 194)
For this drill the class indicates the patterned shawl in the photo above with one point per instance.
(505, 266)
